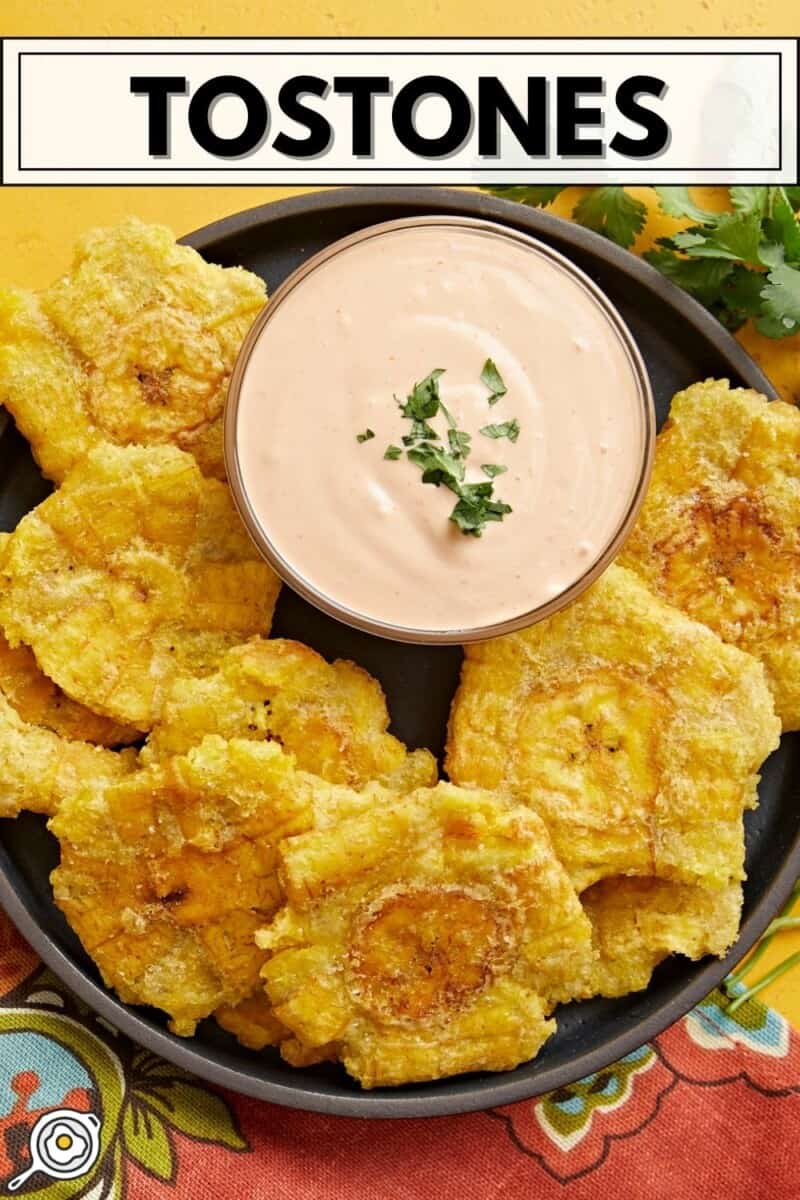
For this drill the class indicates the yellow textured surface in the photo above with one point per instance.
(38, 226)
(633, 732)
(718, 533)
(98, 580)
(424, 935)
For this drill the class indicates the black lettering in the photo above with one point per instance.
(158, 89)
(363, 90)
(200, 116)
(405, 106)
(657, 135)
(570, 117)
(494, 104)
(319, 130)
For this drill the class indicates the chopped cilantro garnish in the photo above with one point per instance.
(493, 469)
(436, 464)
(424, 399)
(365, 436)
(476, 504)
(507, 429)
(494, 381)
(459, 442)
(476, 507)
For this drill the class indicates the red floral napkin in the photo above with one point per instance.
(710, 1110)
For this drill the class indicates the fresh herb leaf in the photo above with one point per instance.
(721, 259)
(612, 212)
(436, 464)
(677, 202)
(781, 296)
(491, 377)
(423, 402)
(476, 507)
(536, 197)
(475, 504)
(700, 277)
(783, 228)
(493, 469)
(507, 429)
(749, 200)
(420, 431)
(459, 442)
(365, 436)
(731, 236)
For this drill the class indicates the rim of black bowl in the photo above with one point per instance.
(464, 1093)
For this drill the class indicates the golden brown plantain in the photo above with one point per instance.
(719, 533)
(136, 569)
(331, 716)
(135, 345)
(423, 937)
(635, 733)
(165, 876)
(39, 769)
(636, 923)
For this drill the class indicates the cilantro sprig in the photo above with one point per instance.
(608, 210)
(742, 264)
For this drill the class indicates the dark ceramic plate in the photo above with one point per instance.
(680, 343)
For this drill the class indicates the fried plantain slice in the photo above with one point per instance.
(135, 345)
(39, 769)
(719, 532)
(635, 733)
(166, 876)
(136, 569)
(39, 701)
(422, 937)
(331, 716)
(636, 923)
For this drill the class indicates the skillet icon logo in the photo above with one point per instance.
(64, 1144)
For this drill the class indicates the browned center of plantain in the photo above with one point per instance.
(425, 952)
(599, 736)
(727, 543)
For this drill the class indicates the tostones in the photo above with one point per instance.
(636, 923)
(134, 346)
(719, 533)
(39, 769)
(331, 716)
(40, 702)
(633, 731)
(423, 936)
(165, 876)
(135, 570)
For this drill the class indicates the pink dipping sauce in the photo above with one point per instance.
(361, 328)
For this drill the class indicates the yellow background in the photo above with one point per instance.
(38, 225)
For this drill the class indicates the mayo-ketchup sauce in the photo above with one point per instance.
(348, 342)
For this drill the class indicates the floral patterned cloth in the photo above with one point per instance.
(711, 1109)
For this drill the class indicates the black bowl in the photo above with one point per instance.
(680, 342)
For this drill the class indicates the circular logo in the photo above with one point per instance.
(64, 1144)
